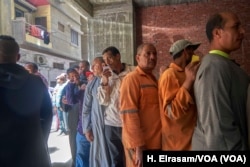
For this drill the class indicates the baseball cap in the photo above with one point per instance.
(180, 45)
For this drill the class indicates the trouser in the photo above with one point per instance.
(61, 120)
(82, 151)
(114, 142)
(65, 120)
(73, 121)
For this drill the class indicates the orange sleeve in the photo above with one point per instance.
(129, 101)
(175, 99)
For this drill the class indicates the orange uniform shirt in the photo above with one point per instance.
(140, 112)
(178, 110)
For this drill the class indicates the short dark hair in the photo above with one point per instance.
(215, 21)
(70, 70)
(75, 66)
(141, 46)
(111, 49)
(34, 65)
(9, 48)
(85, 62)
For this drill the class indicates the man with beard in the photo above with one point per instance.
(177, 105)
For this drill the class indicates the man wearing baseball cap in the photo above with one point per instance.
(177, 106)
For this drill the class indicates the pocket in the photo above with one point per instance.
(149, 94)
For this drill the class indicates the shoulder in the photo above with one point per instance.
(35, 79)
(131, 77)
(168, 73)
(212, 60)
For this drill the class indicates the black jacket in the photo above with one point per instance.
(25, 118)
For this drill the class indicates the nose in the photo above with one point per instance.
(152, 56)
(107, 61)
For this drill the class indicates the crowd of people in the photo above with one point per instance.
(113, 111)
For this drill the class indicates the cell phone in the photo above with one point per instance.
(195, 58)
(105, 68)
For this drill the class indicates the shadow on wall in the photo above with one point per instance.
(60, 164)
(177, 37)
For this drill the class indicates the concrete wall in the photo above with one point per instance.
(112, 25)
(165, 24)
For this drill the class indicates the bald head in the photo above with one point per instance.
(218, 21)
(9, 49)
(225, 32)
(97, 65)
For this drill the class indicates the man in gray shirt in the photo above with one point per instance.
(221, 89)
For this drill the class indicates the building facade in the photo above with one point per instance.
(48, 32)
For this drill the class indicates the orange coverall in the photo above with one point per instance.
(178, 110)
(139, 107)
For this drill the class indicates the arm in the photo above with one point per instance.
(104, 92)
(176, 99)
(46, 115)
(132, 130)
(87, 107)
(79, 93)
(129, 109)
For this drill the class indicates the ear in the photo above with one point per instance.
(18, 57)
(217, 33)
(137, 58)
(118, 56)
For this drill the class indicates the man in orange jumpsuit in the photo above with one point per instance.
(177, 106)
(139, 108)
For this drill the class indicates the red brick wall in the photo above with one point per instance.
(163, 25)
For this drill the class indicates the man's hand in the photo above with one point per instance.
(83, 87)
(89, 136)
(190, 71)
(64, 100)
(138, 156)
(105, 77)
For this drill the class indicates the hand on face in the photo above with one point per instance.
(190, 71)
(105, 76)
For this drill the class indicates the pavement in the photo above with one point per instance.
(59, 148)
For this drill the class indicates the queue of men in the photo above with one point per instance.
(124, 110)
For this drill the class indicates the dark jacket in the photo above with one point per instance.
(75, 95)
(25, 118)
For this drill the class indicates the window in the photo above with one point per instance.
(74, 37)
(58, 66)
(41, 22)
(60, 27)
(19, 13)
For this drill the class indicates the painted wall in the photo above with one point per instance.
(163, 25)
(63, 14)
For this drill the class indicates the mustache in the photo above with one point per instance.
(152, 61)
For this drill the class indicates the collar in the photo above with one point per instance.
(176, 67)
(220, 53)
(141, 72)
